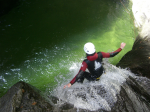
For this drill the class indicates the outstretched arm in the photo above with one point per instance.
(112, 54)
(78, 76)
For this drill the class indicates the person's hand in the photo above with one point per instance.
(68, 85)
(122, 45)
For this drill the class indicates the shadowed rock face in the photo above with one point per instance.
(23, 97)
(138, 59)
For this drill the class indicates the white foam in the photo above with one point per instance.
(95, 95)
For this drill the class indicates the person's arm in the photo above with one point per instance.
(112, 54)
(79, 75)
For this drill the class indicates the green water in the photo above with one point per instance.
(41, 40)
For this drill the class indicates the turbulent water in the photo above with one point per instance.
(113, 88)
(95, 95)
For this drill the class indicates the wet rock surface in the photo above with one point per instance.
(22, 97)
(134, 96)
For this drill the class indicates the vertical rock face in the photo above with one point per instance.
(23, 97)
(138, 59)
(141, 12)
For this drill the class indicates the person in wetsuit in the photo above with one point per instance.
(93, 63)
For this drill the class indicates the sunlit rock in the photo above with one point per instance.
(141, 12)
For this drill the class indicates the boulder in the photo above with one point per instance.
(23, 97)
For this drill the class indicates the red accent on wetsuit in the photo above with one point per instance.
(92, 58)
(107, 55)
(83, 68)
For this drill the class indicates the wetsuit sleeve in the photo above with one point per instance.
(80, 73)
(112, 54)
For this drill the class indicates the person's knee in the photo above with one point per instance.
(80, 80)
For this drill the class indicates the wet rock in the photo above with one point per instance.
(22, 97)
(134, 96)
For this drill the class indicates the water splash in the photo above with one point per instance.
(96, 95)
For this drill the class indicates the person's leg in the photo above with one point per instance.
(90, 77)
(85, 75)
(80, 80)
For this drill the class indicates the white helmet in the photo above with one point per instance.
(89, 48)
